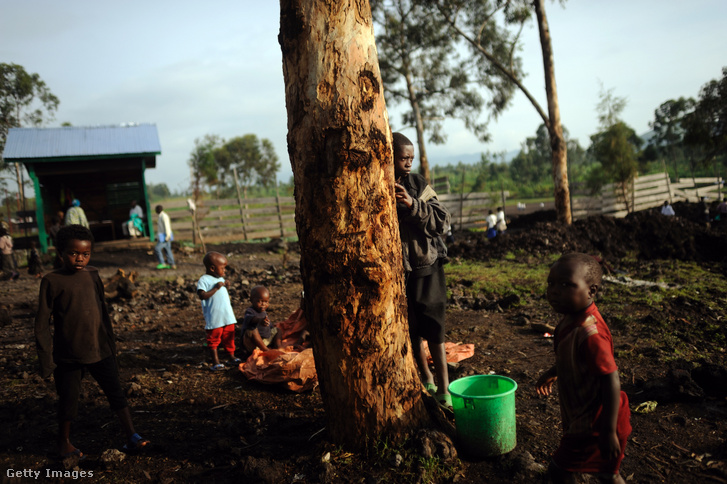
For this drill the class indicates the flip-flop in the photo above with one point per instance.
(135, 444)
(445, 401)
(236, 361)
(431, 388)
(73, 453)
(217, 367)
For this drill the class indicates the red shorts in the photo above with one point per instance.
(224, 335)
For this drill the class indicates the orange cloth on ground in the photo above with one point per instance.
(297, 371)
(454, 352)
(291, 329)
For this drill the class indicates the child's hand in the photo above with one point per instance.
(402, 196)
(544, 386)
(266, 322)
(609, 445)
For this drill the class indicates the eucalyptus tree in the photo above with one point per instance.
(421, 65)
(669, 129)
(339, 143)
(474, 21)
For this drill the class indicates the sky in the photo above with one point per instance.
(215, 67)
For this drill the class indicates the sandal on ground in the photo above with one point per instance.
(431, 388)
(445, 401)
(135, 443)
(217, 367)
(74, 453)
(235, 362)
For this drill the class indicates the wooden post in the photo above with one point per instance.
(239, 201)
(461, 197)
(280, 209)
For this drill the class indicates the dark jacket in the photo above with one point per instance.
(422, 225)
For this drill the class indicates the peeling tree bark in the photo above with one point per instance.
(339, 145)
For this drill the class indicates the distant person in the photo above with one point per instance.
(256, 329)
(491, 225)
(704, 207)
(501, 224)
(75, 215)
(667, 209)
(72, 301)
(422, 222)
(9, 269)
(595, 411)
(134, 227)
(35, 264)
(55, 226)
(165, 238)
(721, 215)
(219, 317)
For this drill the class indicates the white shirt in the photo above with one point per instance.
(164, 226)
(667, 210)
(136, 210)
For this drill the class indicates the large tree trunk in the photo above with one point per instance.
(339, 145)
(555, 129)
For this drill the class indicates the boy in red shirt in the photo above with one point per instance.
(595, 411)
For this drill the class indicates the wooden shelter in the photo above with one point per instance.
(101, 166)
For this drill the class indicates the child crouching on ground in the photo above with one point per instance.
(595, 411)
(217, 309)
(256, 329)
(83, 340)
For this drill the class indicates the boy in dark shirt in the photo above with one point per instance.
(594, 409)
(72, 297)
(256, 330)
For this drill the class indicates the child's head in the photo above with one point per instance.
(573, 282)
(74, 244)
(403, 154)
(159, 209)
(215, 263)
(260, 298)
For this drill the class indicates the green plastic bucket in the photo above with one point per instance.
(484, 413)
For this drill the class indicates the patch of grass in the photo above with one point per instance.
(498, 278)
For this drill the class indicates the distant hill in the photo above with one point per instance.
(466, 158)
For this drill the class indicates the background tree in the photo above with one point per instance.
(340, 150)
(706, 126)
(471, 21)
(616, 146)
(202, 163)
(25, 100)
(420, 66)
(254, 160)
(668, 126)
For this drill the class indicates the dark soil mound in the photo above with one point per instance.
(645, 235)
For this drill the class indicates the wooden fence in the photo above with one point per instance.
(233, 219)
(644, 193)
(271, 217)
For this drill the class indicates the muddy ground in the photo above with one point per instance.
(219, 427)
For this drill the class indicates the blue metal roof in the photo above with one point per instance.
(35, 143)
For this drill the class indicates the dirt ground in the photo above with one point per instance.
(218, 427)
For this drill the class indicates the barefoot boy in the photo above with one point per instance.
(82, 340)
(594, 409)
(256, 330)
(217, 309)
